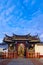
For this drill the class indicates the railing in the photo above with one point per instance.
(32, 55)
(11, 55)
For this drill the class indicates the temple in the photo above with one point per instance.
(21, 43)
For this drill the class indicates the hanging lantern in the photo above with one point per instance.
(10, 45)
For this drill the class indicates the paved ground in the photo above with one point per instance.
(5, 61)
(2, 60)
(41, 60)
(21, 61)
(36, 62)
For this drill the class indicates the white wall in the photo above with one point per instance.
(39, 48)
(1, 49)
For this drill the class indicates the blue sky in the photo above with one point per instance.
(21, 17)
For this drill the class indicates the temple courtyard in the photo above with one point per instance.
(21, 61)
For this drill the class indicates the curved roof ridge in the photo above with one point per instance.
(21, 35)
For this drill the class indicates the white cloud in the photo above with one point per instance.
(41, 36)
(1, 39)
(9, 10)
(20, 24)
(25, 1)
(33, 2)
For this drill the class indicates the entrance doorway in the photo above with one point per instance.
(21, 50)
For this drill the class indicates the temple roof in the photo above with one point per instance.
(21, 37)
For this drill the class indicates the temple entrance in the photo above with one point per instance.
(21, 50)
